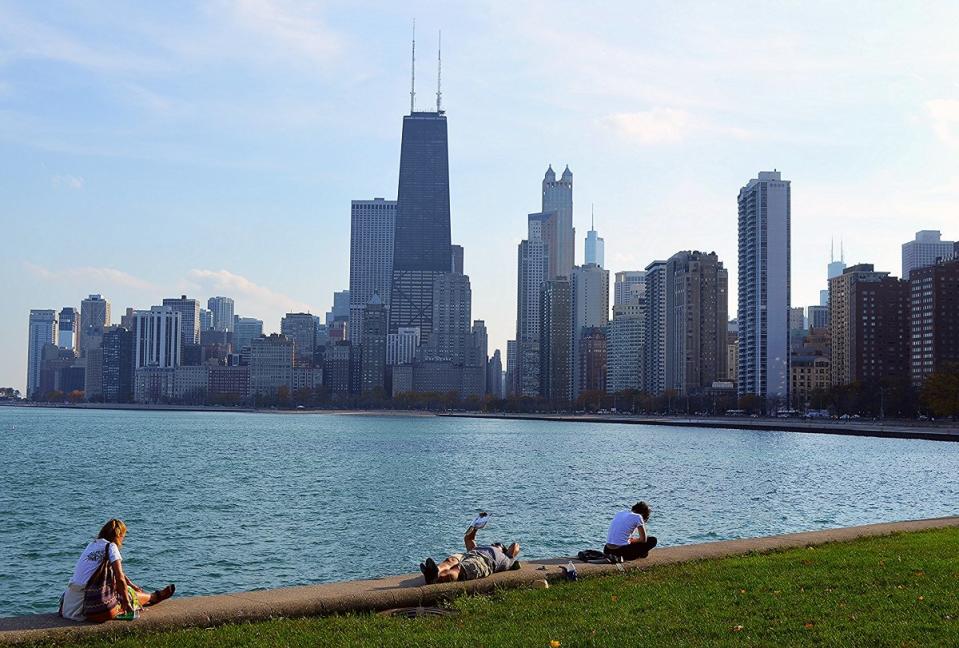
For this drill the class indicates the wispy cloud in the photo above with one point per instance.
(90, 276)
(665, 126)
(944, 119)
(254, 296)
(68, 181)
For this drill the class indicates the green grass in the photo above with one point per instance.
(900, 590)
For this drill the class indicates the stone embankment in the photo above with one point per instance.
(407, 590)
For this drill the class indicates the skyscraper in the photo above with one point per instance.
(924, 251)
(494, 375)
(595, 247)
(158, 338)
(624, 347)
(556, 375)
(206, 321)
(452, 306)
(421, 242)
(94, 318)
(532, 270)
(340, 311)
(558, 198)
(68, 328)
(833, 269)
(245, 330)
(456, 252)
(301, 328)
(696, 321)
(189, 310)
(764, 287)
(371, 258)
(934, 322)
(868, 326)
(654, 329)
(590, 294)
(221, 309)
(629, 286)
(42, 331)
(373, 349)
(116, 377)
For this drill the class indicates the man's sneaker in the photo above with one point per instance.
(430, 571)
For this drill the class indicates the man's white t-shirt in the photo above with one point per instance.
(623, 525)
(90, 559)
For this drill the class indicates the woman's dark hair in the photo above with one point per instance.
(112, 531)
(641, 508)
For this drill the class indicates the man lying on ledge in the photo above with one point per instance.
(621, 544)
(479, 561)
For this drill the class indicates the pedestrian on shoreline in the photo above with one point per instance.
(99, 590)
(479, 561)
(621, 544)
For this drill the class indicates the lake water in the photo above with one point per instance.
(220, 502)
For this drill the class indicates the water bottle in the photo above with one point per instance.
(571, 574)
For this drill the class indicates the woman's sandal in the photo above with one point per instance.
(162, 594)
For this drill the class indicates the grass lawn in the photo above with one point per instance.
(900, 590)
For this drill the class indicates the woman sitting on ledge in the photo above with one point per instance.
(99, 590)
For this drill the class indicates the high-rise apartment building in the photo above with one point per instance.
(371, 257)
(561, 236)
(532, 271)
(593, 360)
(868, 326)
(116, 378)
(494, 375)
(934, 319)
(452, 308)
(301, 328)
(590, 291)
(595, 247)
(818, 316)
(629, 286)
(42, 331)
(373, 349)
(158, 338)
(206, 321)
(421, 242)
(927, 248)
(340, 312)
(556, 345)
(764, 287)
(511, 368)
(246, 329)
(654, 329)
(271, 365)
(797, 318)
(94, 318)
(624, 347)
(221, 310)
(696, 321)
(189, 310)
(68, 328)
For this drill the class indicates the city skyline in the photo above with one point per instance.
(111, 199)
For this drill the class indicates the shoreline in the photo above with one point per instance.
(891, 429)
(408, 590)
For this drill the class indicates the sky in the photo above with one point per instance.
(149, 150)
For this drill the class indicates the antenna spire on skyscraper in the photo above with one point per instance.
(413, 70)
(842, 252)
(439, 74)
(592, 216)
(832, 249)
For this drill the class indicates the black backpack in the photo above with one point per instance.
(587, 555)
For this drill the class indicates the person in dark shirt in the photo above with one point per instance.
(479, 561)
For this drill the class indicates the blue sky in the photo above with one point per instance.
(151, 149)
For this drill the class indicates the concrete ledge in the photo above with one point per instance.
(406, 590)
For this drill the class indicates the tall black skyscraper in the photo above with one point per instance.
(421, 244)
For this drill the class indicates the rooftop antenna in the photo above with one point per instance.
(592, 217)
(842, 252)
(413, 70)
(832, 249)
(439, 74)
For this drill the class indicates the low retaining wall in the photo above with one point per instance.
(405, 591)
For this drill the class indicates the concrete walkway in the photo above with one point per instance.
(404, 591)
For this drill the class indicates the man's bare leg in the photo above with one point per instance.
(449, 570)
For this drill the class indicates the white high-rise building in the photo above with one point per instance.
(371, 258)
(833, 269)
(595, 247)
(158, 339)
(558, 198)
(221, 310)
(629, 287)
(924, 251)
(624, 347)
(533, 269)
(401, 346)
(590, 291)
(764, 287)
(43, 331)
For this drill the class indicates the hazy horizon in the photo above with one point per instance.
(213, 148)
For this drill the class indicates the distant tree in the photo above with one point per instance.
(75, 396)
(940, 393)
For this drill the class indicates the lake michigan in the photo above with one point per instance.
(220, 502)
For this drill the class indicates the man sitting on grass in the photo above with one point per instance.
(479, 561)
(620, 543)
